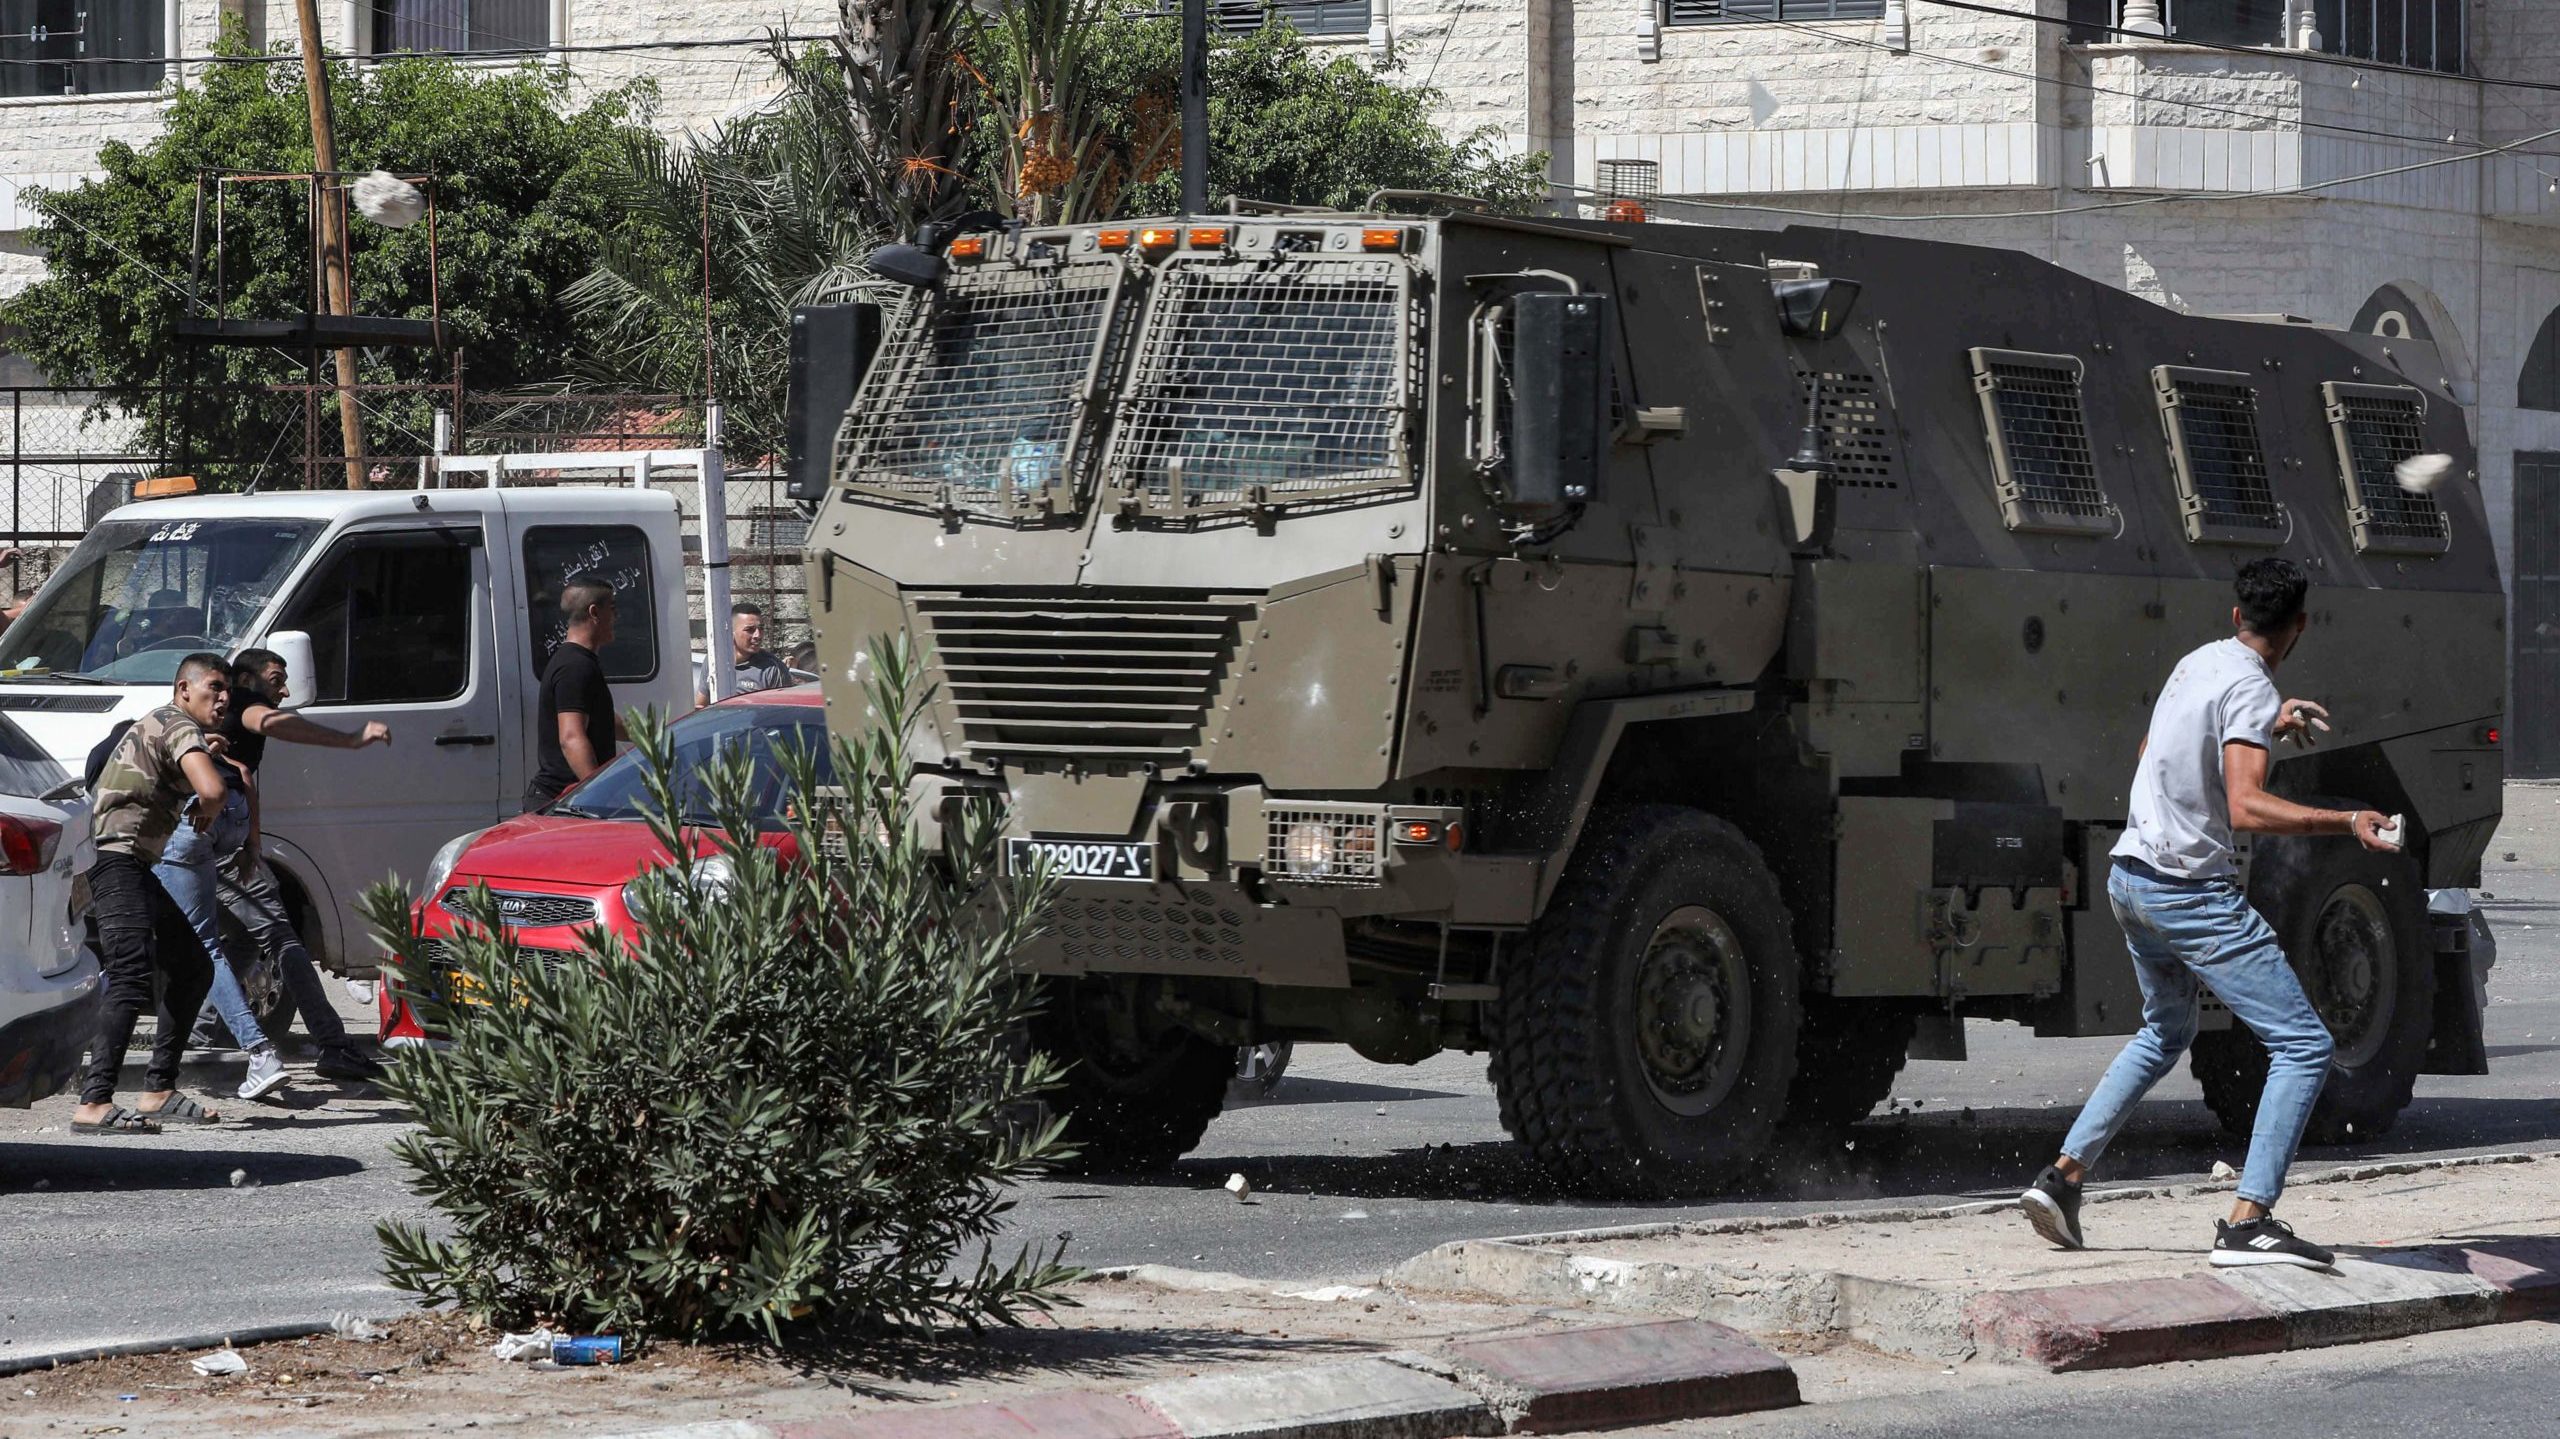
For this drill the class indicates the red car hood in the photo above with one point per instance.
(566, 850)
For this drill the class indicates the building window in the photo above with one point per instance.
(2040, 456)
(2421, 34)
(1307, 17)
(2211, 420)
(2538, 386)
(2228, 22)
(460, 27)
(81, 47)
(1746, 12)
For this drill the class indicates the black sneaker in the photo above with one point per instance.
(2266, 1240)
(2052, 1205)
(346, 1063)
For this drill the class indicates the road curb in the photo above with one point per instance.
(1600, 1377)
(255, 1334)
(2383, 1294)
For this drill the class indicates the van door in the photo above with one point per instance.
(401, 631)
(636, 553)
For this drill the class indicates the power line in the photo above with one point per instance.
(622, 47)
(2254, 52)
(2186, 196)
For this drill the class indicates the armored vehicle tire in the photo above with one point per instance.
(2354, 925)
(1847, 1055)
(1136, 1095)
(1646, 1032)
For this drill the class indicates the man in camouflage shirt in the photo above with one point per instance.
(162, 769)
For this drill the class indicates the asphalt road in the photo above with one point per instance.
(1356, 1167)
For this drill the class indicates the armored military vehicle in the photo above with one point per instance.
(1695, 666)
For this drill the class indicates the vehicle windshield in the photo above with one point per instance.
(762, 733)
(137, 596)
(976, 397)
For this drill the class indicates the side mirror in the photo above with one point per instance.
(1561, 380)
(831, 347)
(301, 680)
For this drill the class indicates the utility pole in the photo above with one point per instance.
(330, 216)
(1195, 106)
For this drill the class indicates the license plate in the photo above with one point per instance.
(1083, 858)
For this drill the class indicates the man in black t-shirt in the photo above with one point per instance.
(575, 730)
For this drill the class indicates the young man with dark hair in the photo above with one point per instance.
(159, 773)
(758, 668)
(244, 884)
(575, 730)
(2176, 893)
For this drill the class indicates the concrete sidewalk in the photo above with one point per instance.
(2423, 1246)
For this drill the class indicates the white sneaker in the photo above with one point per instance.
(266, 1071)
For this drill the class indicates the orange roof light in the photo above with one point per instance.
(969, 247)
(1209, 237)
(164, 487)
(1111, 239)
(1382, 239)
(1157, 238)
(1417, 831)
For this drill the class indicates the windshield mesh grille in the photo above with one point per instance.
(1284, 377)
(1127, 679)
(978, 396)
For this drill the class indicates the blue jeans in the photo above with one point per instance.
(2182, 931)
(186, 870)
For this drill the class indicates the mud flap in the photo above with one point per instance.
(2457, 1045)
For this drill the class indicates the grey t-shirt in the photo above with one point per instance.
(2180, 823)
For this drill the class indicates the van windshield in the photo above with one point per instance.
(137, 596)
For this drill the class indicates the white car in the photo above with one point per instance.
(49, 983)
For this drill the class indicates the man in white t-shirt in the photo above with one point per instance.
(2176, 893)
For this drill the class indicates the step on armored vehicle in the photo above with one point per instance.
(1694, 666)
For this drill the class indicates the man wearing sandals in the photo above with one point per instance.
(161, 772)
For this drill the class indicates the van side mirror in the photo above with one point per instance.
(301, 680)
(1561, 382)
(831, 347)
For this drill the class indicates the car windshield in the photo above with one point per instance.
(761, 733)
(137, 596)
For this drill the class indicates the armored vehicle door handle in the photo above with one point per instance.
(470, 739)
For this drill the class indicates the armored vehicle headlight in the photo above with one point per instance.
(1310, 847)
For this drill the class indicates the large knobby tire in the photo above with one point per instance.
(1848, 1053)
(1137, 1093)
(2353, 924)
(1646, 1032)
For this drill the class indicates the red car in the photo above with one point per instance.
(566, 867)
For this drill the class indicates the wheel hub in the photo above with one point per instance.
(2353, 972)
(1692, 1010)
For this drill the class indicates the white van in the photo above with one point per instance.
(430, 610)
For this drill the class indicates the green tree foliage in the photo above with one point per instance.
(787, 1101)
(522, 208)
(1290, 122)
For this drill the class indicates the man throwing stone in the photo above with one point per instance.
(2176, 893)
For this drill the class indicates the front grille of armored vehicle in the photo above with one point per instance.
(1082, 678)
(977, 400)
(1268, 382)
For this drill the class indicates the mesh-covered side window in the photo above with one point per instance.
(2210, 418)
(1857, 431)
(1285, 379)
(2039, 439)
(2376, 427)
(978, 397)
